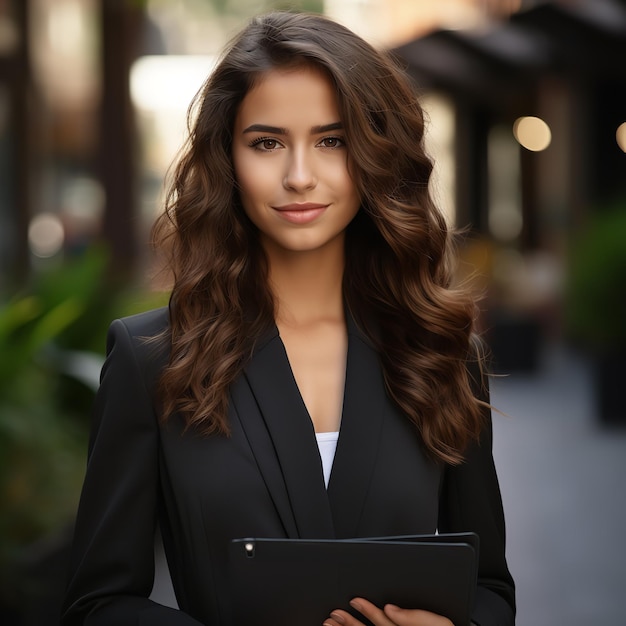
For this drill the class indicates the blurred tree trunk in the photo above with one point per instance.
(16, 71)
(121, 27)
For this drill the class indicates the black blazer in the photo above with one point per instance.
(264, 480)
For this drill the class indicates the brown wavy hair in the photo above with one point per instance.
(397, 280)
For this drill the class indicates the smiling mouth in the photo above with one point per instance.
(301, 213)
(300, 206)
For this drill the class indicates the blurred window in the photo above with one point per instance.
(505, 205)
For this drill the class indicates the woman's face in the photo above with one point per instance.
(291, 162)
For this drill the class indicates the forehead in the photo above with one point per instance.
(300, 95)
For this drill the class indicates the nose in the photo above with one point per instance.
(299, 174)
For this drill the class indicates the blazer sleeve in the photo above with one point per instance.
(112, 560)
(471, 501)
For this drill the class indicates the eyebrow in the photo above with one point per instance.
(276, 130)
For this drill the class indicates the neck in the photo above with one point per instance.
(307, 286)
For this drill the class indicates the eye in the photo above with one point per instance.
(332, 142)
(264, 144)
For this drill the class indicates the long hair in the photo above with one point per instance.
(397, 281)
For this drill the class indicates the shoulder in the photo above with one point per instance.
(149, 328)
(145, 325)
(141, 341)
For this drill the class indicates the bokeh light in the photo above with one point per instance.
(532, 133)
(45, 235)
(620, 136)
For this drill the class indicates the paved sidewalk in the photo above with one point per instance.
(562, 476)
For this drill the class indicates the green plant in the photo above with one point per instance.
(44, 408)
(596, 294)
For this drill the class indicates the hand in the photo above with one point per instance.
(390, 615)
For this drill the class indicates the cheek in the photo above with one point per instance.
(255, 179)
(338, 175)
(249, 181)
(348, 189)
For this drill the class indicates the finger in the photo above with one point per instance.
(414, 617)
(341, 618)
(373, 613)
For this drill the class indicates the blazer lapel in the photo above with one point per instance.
(357, 449)
(292, 434)
(246, 410)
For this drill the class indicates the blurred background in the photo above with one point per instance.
(527, 109)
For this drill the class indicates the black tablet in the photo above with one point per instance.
(298, 582)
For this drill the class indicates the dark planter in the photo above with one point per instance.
(514, 341)
(609, 378)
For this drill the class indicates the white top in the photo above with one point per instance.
(327, 444)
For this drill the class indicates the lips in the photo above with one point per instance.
(301, 213)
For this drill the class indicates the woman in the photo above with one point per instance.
(311, 298)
